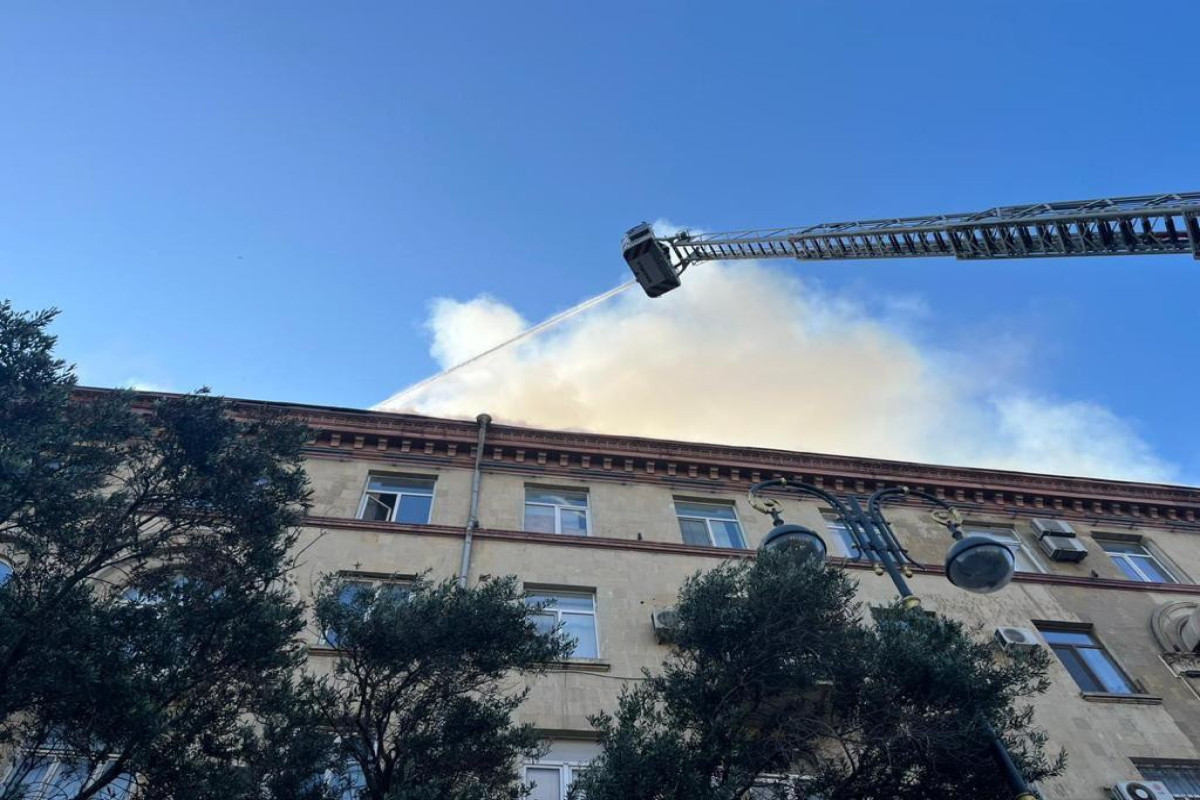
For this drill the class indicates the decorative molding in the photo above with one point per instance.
(669, 548)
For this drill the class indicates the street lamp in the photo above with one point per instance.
(975, 563)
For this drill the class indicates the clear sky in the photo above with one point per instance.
(266, 197)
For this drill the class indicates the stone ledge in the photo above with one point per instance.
(1134, 699)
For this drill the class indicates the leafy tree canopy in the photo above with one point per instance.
(776, 686)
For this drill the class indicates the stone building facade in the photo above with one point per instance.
(612, 525)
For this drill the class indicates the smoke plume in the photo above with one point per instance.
(743, 355)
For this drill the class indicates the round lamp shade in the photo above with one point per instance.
(795, 536)
(979, 564)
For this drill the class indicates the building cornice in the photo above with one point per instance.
(386, 437)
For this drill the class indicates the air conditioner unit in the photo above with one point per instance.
(1017, 638)
(664, 621)
(1058, 540)
(1141, 790)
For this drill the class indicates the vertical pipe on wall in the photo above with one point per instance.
(473, 515)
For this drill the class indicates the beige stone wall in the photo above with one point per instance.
(1100, 737)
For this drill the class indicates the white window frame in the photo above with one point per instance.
(558, 614)
(432, 495)
(712, 541)
(558, 509)
(1009, 536)
(57, 762)
(567, 772)
(1132, 559)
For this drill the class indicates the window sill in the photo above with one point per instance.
(1109, 697)
(579, 665)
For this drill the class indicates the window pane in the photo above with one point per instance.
(120, 789)
(548, 782)
(379, 507)
(1069, 637)
(574, 523)
(545, 622)
(400, 483)
(1104, 668)
(556, 497)
(726, 534)
(414, 509)
(1121, 547)
(1152, 568)
(582, 628)
(34, 778)
(573, 602)
(67, 781)
(1071, 660)
(1127, 568)
(6, 572)
(715, 511)
(695, 531)
(352, 590)
(539, 519)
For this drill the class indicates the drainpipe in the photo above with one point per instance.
(473, 516)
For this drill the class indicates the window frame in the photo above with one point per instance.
(1045, 628)
(373, 580)
(366, 492)
(1131, 559)
(567, 772)
(679, 517)
(997, 533)
(558, 509)
(551, 591)
(840, 532)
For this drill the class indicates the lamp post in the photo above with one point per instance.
(974, 563)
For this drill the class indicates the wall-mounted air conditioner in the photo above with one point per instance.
(664, 620)
(1017, 638)
(1058, 540)
(1141, 790)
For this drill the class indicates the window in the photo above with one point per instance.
(353, 587)
(6, 571)
(1182, 778)
(48, 777)
(841, 542)
(556, 511)
(397, 498)
(1025, 562)
(1138, 563)
(559, 768)
(709, 524)
(1088, 662)
(576, 612)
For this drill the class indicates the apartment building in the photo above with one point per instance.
(608, 527)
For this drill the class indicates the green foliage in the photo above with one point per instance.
(774, 674)
(147, 628)
(416, 692)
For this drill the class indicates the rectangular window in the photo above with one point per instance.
(1088, 662)
(562, 764)
(575, 612)
(354, 584)
(709, 524)
(1025, 561)
(556, 511)
(841, 542)
(1138, 563)
(397, 498)
(48, 777)
(1182, 778)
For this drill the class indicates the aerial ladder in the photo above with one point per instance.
(1119, 226)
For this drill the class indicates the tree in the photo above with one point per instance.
(147, 631)
(776, 685)
(415, 693)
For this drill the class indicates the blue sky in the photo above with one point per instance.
(266, 197)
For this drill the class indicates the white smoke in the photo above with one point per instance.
(746, 356)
